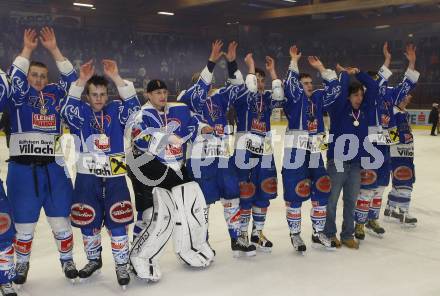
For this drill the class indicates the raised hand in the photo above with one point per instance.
(349, 70)
(30, 42)
(86, 72)
(249, 60)
(295, 55)
(410, 54)
(270, 67)
(112, 71)
(216, 51)
(231, 55)
(386, 54)
(110, 68)
(48, 39)
(316, 63)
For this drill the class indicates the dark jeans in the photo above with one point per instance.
(434, 126)
(348, 181)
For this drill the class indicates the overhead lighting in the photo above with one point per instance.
(411, 35)
(292, 1)
(382, 27)
(165, 13)
(83, 4)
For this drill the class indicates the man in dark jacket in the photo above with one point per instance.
(433, 118)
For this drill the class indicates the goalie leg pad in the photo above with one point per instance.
(150, 243)
(190, 233)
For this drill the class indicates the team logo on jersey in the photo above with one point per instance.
(302, 189)
(173, 151)
(403, 173)
(82, 214)
(258, 126)
(44, 122)
(5, 223)
(121, 212)
(117, 164)
(101, 143)
(269, 185)
(247, 189)
(368, 177)
(324, 184)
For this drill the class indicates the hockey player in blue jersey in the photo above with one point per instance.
(210, 161)
(7, 231)
(36, 127)
(168, 202)
(304, 174)
(383, 133)
(402, 165)
(101, 195)
(253, 155)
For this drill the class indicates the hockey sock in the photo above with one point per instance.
(318, 214)
(62, 232)
(119, 241)
(7, 268)
(23, 246)
(376, 203)
(363, 206)
(231, 210)
(400, 198)
(92, 243)
(258, 219)
(245, 216)
(293, 216)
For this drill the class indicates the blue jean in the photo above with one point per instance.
(348, 181)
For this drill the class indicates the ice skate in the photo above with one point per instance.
(320, 239)
(260, 241)
(298, 243)
(92, 267)
(70, 271)
(401, 216)
(21, 269)
(241, 248)
(7, 290)
(122, 275)
(374, 228)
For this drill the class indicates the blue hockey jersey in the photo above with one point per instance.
(99, 137)
(35, 115)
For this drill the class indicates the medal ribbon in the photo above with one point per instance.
(100, 127)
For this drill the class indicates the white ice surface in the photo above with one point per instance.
(404, 262)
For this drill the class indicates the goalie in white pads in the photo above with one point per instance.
(168, 202)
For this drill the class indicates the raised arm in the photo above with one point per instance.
(20, 67)
(293, 89)
(68, 74)
(332, 88)
(130, 102)
(277, 97)
(195, 97)
(73, 108)
(399, 92)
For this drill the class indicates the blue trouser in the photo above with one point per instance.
(7, 233)
(258, 185)
(348, 181)
(31, 187)
(403, 179)
(99, 201)
(215, 181)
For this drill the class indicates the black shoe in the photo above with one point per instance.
(298, 243)
(241, 247)
(260, 241)
(90, 268)
(321, 238)
(22, 270)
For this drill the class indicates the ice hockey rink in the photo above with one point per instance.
(405, 262)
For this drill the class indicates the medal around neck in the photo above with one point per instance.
(356, 123)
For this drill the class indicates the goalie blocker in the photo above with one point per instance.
(174, 209)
